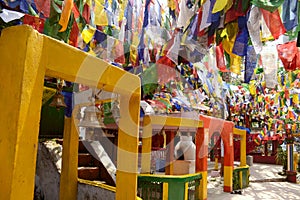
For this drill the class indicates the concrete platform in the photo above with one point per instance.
(265, 183)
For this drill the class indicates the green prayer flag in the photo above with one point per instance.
(269, 5)
(149, 80)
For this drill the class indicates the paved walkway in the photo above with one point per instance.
(265, 183)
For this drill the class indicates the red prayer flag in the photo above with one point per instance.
(43, 6)
(86, 13)
(119, 52)
(287, 53)
(235, 11)
(74, 34)
(220, 58)
(75, 11)
(36, 22)
(165, 70)
(273, 22)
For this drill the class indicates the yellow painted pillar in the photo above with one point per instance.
(146, 145)
(128, 137)
(228, 173)
(243, 149)
(165, 191)
(21, 86)
(216, 163)
(203, 186)
(69, 170)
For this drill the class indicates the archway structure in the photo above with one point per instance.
(26, 58)
(226, 128)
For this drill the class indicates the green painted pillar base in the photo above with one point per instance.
(176, 190)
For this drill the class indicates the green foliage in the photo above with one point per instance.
(281, 158)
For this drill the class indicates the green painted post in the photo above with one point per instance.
(176, 190)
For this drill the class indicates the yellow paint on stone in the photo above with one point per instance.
(22, 75)
(203, 186)
(228, 171)
(69, 172)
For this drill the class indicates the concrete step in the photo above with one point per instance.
(88, 173)
(85, 160)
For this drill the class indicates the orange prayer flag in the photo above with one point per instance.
(65, 15)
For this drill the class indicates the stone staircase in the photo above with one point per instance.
(93, 163)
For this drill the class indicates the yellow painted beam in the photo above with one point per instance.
(237, 131)
(22, 75)
(128, 136)
(146, 147)
(69, 63)
(174, 121)
(243, 147)
(68, 177)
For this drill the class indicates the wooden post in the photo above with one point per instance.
(170, 135)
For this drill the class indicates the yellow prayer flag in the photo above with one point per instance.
(91, 52)
(89, 2)
(219, 5)
(229, 34)
(296, 99)
(235, 63)
(100, 14)
(65, 15)
(121, 10)
(259, 99)
(135, 38)
(252, 88)
(87, 34)
(133, 54)
(276, 102)
(171, 4)
(203, 1)
(228, 5)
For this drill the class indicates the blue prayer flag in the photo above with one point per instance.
(251, 60)
(290, 14)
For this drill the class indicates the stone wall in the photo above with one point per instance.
(48, 169)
